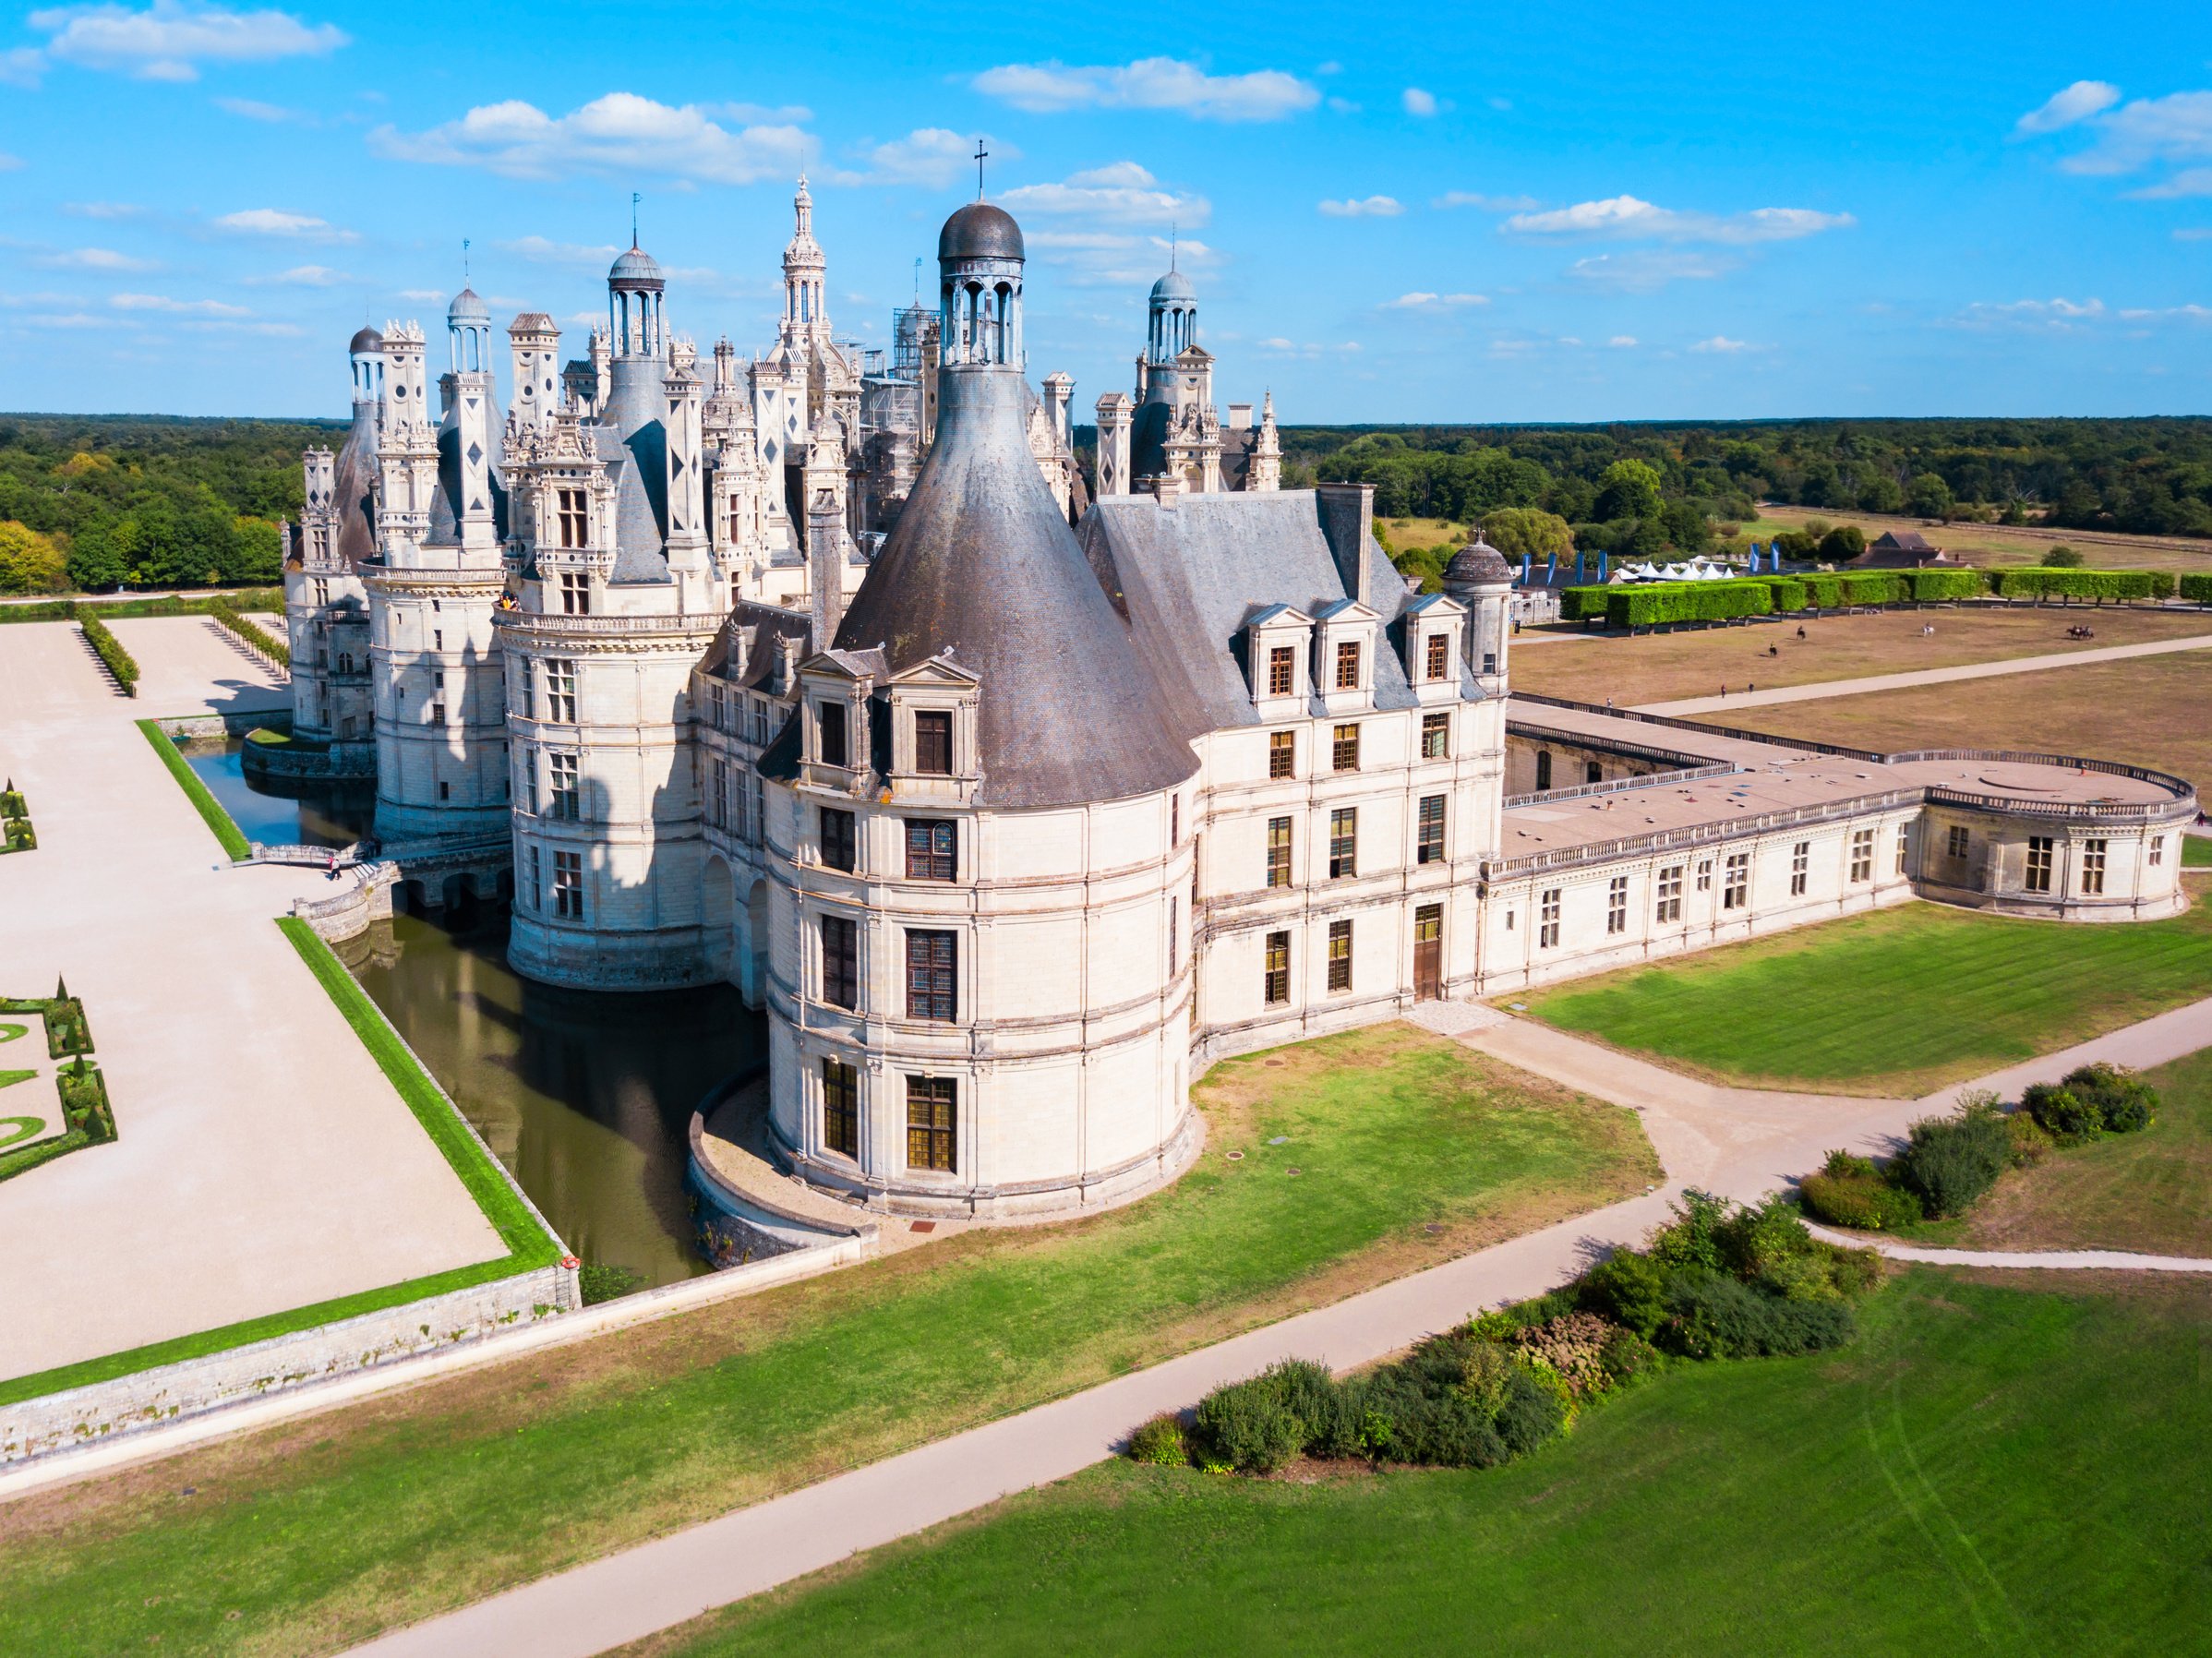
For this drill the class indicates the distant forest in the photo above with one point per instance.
(94, 501)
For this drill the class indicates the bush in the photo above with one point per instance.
(1843, 544)
(2062, 557)
(1627, 1356)
(598, 1281)
(119, 661)
(1160, 1442)
(1583, 604)
(1249, 1425)
(2197, 590)
(2031, 1144)
(1863, 1202)
(1948, 1163)
(253, 634)
(2125, 1102)
(1692, 1238)
(1788, 592)
(1797, 545)
(1573, 1346)
(1718, 1318)
(1756, 1238)
(2061, 1114)
(1629, 1288)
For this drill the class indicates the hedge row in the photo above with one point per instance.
(120, 662)
(1656, 603)
(246, 628)
(245, 598)
(2197, 590)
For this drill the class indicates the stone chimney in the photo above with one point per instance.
(825, 565)
(1347, 512)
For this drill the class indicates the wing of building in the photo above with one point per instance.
(1016, 798)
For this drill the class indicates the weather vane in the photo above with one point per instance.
(980, 153)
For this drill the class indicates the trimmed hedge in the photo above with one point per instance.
(120, 662)
(2119, 585)
(1788, 591)
(1583, 604)
(248, 598)
(2197, 590)
(1928, 585)
(275, 649)
(1655, 603)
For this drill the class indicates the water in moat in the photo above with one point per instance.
(586, 1097)
(315, 812)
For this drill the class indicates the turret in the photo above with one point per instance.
(469, 399)
(534, 342)
(1480, 578)
(1111, 475)
(407, 448)
(805, 274)
(1267, 451)
(367, 353)
(635, 289)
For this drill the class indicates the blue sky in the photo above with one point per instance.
(1486, 212)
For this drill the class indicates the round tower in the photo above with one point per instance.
(805, 271)
(1174, 323)
(635, 289)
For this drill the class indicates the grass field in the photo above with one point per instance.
(1984, 1469)
(227, 834)
(2197, 851)
(1657, 668)
(307, 1537)
(1986, 544)
(1404, 532)
(1897, 1002)
(2156, 711)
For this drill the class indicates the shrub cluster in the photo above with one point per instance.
(246, 628)
(16, 832)
(1716, 1282)
(2092, 1100)
(120, 662)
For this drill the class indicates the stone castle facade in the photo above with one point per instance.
(1016, 800)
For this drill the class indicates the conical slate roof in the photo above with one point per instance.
(982, 567)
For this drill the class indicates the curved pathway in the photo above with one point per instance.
(1927, 676)
(1742, 1143)
(2078, 1260)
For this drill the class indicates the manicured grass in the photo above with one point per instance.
(2150, 1191)
(2197, 851)
(1896, 1003)
(321, 1533)
(227, 834)
(9, 1033)
(1658, 668)
(528, 1245)
(1984, 1469)
(13, 1129)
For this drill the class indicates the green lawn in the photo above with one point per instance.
(1984, 1470)
(308, 1537)
(2197, 851)
(1896, 1003)
(220, 824)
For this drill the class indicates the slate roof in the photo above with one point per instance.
(980, 230)
(354, 477)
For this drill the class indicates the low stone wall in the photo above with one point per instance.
(148, 1399)
(349, 914)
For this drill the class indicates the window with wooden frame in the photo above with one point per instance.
(1955, 841)
(1428, 841)
(1174, 820)
(1547, 920)
(1174, 938)
(575, 592)
(841, 961)
(1438, 646)
(1670, 907)
(932, 977)
(536, 883)
(1436, 737)
(932, 1109)
(1282, 670)
(526, 766)
(2040, 862)
(572, 510)
(840, 840)
(836, 738)
(1735, 886)
(1278, 851)
(1348, 664)
(1800, 862)
(932, 846)
(1282, 754)
(1344, 750)
(934, 742)
(2093, 867)
(1862, 855)
(1343, 843)
(840, 1108)
(1339, 955)
(1275, 978)
(1704, 874)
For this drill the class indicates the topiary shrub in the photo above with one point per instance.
(1160, 1442)
(1950, 1161)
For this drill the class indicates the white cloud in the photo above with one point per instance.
(1278, 346)
(2177, 128)
(1162, 83)
(94, 259)
(1418, 102)
(2065, 108)
(22, 67)
(1372, 207)
(275, 222)
(2188, 182)
(2056, 315)
(1121, 193)
(175, 308)
(1628, 218)
(755, 115)
(169, 38)
(1721, 342)
(1488, 204)
(620, 133)
(540, 251)
(1420, 301)
(77, 319)
(304, 276)
(427, 296)
(927, 155)
(1622, 341)
(1102, 258)
(1647, 272)
(253, 109)
(10, 163)
(2189, 313)
(102, 210)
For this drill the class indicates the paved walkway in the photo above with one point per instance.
(2078, 1260)
(1738, 1142)
(263, 1161)
(1927, 676)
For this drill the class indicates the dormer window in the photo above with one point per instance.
(934, 742)
(1348, 664)
(575, 592)
(574, 513)
(1438, 659)
(1282, 670)
(836, 740)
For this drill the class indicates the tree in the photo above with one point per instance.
(1796, 545)
(1928, 497)
(2062, 557)
(1844, 543)
(29, 562)
(1630, 489)
(96, 563)
(1524, 532)
(1687, 527)
(1883, 494)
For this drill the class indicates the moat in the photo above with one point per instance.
(587, 1098)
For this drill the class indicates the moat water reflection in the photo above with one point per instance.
(317, 814)
(587, 1098)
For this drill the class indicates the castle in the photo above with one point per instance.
(1015, 800)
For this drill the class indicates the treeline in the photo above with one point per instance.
(2147, 476)
(93, 502)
